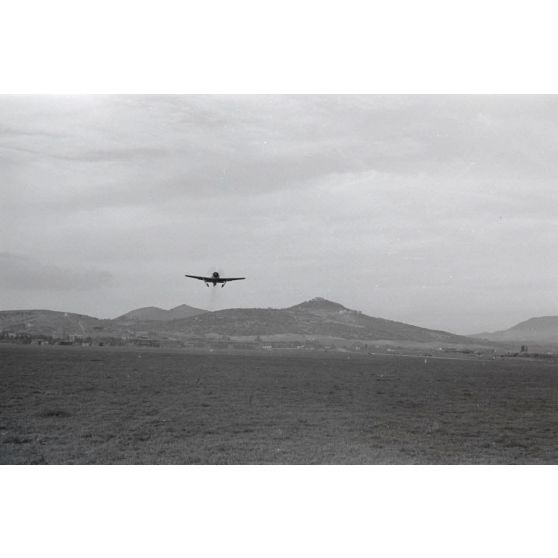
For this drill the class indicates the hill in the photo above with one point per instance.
(542, 330)
(147, 313)
(316, 317)
(47, 322)
(154, 313)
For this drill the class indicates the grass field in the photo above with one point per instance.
(107, 406)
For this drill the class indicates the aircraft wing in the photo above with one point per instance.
(198, 277)
(232, 278)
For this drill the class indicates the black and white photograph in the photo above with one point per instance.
(279, 279)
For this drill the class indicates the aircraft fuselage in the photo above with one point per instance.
(214, 279)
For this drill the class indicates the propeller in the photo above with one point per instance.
(218, 269)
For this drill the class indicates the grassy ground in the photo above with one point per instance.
(70, 405)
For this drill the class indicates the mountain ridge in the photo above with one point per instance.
(154, 313)
(539, 329)
(314, 317)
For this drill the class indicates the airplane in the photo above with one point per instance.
(215, 278)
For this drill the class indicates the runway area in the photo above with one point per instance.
(63, 405)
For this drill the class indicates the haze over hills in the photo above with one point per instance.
(541, 330)
(314, 318)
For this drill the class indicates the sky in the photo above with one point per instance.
(438, 210)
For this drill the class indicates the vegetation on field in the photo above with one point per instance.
(91, 405)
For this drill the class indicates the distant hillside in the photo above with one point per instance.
(47, 322)
(542, 330)
(316, 317)
(63, 324)
(184, 311)
(147, 313)
(153, 313)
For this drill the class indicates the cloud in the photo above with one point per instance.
(25, 273)
(387, 203)
(92, 155)
(158, 149)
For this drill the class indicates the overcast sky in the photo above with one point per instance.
(440, 211)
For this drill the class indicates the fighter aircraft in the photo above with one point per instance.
(215, 278)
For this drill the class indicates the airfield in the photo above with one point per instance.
(66, 405)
